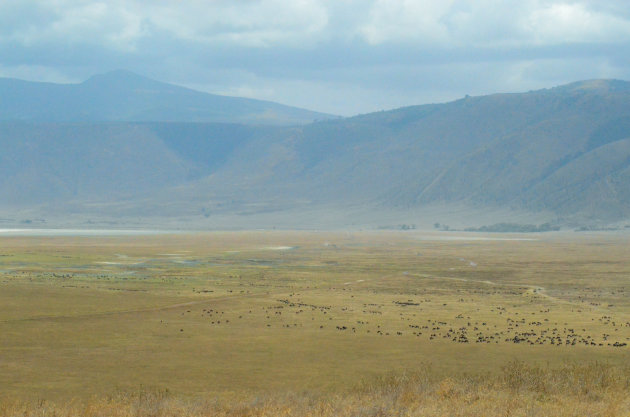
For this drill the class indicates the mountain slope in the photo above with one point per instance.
(578, 124)
(46, 163)
(505, 150)
(51, 162)
(124, 96)
(560, 153)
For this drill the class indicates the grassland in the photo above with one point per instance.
(301, 319)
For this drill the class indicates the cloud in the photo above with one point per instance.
(121, 24)
(407, 20)
(486, 23)
(342, 56)
(567, 23)
(79, 22)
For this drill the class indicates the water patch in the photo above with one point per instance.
(186, 262)
(475, 238)
(118, 263)
(79, 232)
(279, 247)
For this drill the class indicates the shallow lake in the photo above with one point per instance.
(80, 232)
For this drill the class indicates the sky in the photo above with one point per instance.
(342, 57)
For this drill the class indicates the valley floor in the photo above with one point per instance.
(305, 323)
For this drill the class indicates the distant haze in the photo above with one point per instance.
(121, 149)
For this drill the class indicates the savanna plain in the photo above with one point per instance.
(273, 323)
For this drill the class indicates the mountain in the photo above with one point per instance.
(560, 154)
(562, 150)
(50, 162)
(125, 96)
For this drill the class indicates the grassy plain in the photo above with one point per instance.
(242, 314)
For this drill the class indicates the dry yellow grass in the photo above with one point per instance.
(519, 390)
(229, 323)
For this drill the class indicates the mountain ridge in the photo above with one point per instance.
(553, 155)
(127, 97)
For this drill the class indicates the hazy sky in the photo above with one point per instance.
(337, 56)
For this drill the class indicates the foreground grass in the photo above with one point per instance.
(240, 317)
(592, 389)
